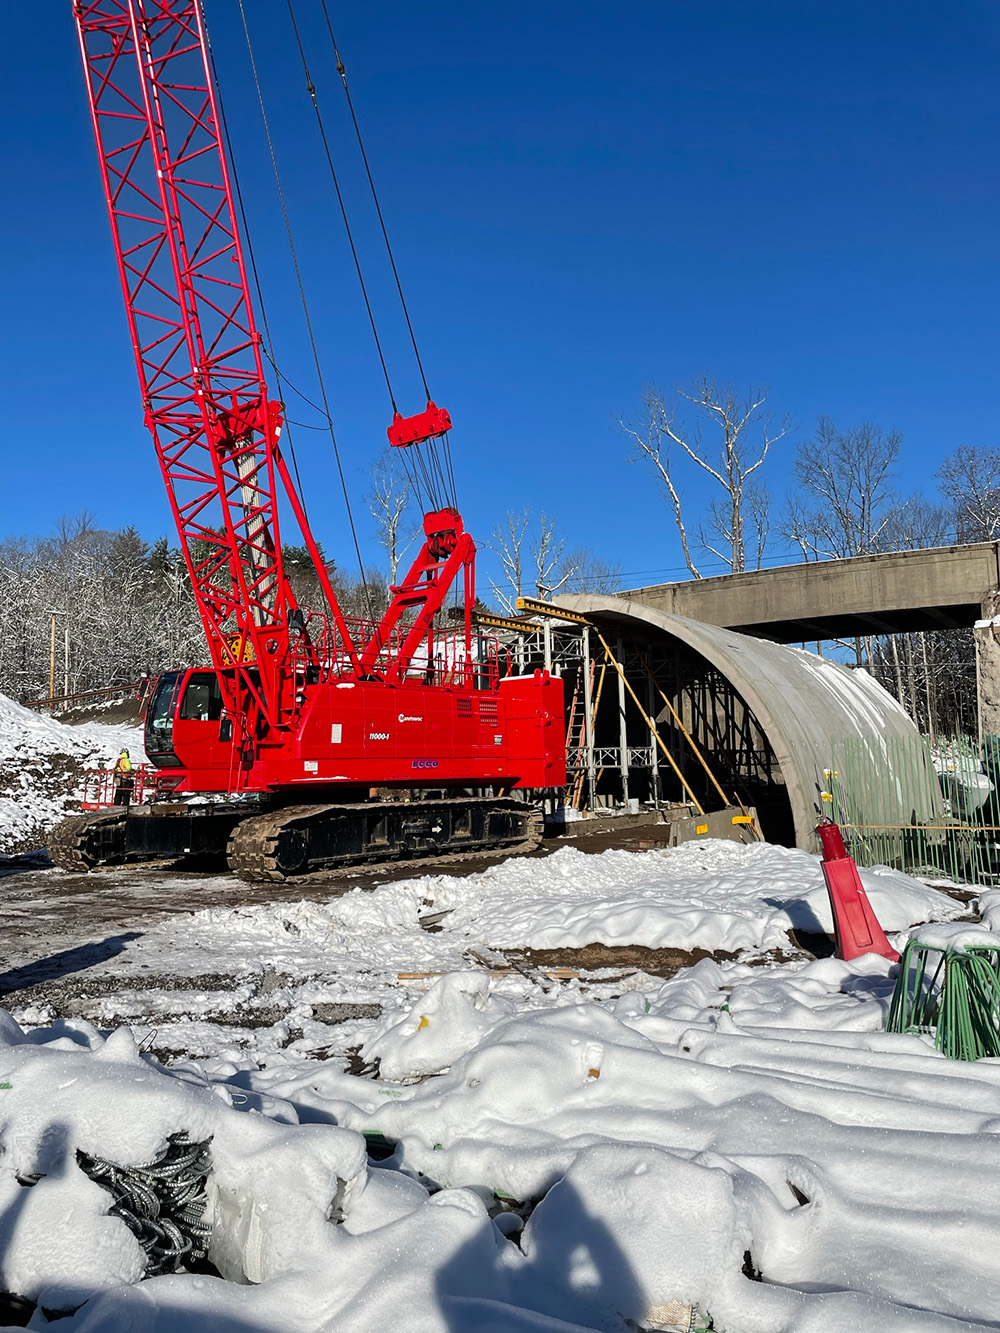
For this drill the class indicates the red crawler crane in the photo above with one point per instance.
(298, 706)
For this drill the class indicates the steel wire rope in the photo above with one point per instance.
(342, 71)
(311, 89)
(268, 345)
(305, 307)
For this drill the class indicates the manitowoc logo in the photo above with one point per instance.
(425, 763)
(404, 717)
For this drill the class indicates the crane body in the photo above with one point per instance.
(297, 705)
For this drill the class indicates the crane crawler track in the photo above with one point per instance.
(82, 842)
(313, 842)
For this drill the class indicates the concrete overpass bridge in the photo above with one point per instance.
(944, 587)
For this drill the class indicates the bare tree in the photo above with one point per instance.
(652, 440)
(72, 529)
(592, 573)
(970, 484)
(931, 674)
(534, 557)
(742, 432)
(914, 524)
(388, 500)
(846, 499)
(550, 565)
(509, 536)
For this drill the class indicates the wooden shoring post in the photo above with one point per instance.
(684, 731)
(623, 685)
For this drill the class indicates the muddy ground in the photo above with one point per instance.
(54, 926)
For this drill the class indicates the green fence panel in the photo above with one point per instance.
(925, 807)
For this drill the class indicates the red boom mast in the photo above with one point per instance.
(197, 350)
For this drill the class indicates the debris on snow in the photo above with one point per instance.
(577, 1168)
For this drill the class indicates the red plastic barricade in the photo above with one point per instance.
(855, 924)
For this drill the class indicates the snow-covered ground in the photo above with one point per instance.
(570, 1153)
(41, 768)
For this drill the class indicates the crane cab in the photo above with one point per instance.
(186, 727)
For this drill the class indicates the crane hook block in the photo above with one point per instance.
(404, 431)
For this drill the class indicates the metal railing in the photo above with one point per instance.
(103, 787)
(61, 703)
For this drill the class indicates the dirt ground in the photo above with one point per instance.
(620, 958)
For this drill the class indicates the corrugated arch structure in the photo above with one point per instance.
(770, 717)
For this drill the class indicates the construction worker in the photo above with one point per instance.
(124, 779)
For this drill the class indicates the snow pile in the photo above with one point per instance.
(989, 909)
(711, 895)
(674, 1139)
(690, 1145)
(949, 938)
(68, 1089)
(565, 1156)
(41, 768)
(369, 947)
(456, 1013)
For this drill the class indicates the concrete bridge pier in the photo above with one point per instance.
(987, 636)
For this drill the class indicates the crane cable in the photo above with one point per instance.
(249, 244)
(436, 471)
(305, 306)
(342, 71)
(446, 474)
(311, 89)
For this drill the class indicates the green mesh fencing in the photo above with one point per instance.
(929, 808)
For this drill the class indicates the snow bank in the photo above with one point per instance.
(567, 1156)
(714, 896)
(711, 895)
(675, 1150)
(368, 947)
(41, 767)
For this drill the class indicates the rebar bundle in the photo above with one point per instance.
(952, 993)
(161, 1202)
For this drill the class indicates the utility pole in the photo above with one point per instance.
(66, 663)
(52, 662)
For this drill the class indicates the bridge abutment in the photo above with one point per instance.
(987, 636)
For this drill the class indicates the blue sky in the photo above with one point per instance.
(584, 198)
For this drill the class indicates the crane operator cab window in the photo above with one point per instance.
(159, 738)
(202, 700)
